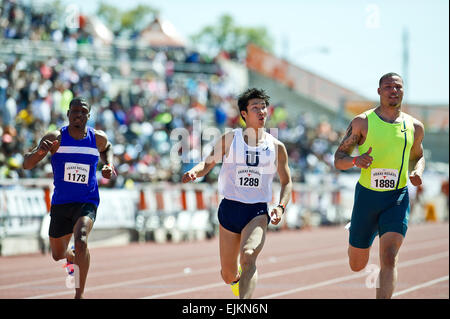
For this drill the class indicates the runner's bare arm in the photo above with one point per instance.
(106, 153)
(284, 175)
(220, 149)
(353, 136)
(49, 143)
(416, 158)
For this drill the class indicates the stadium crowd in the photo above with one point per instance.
(138, 118)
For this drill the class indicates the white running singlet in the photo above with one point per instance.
(247, 172)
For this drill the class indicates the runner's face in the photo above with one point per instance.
(256, 113)
(391, 91)
(78, 116)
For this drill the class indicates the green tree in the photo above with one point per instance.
(227, 36)
(121, 20)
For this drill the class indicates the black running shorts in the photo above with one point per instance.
(63, 217)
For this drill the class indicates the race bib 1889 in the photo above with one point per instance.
(383, 178)
(248, 177)
(76, 173)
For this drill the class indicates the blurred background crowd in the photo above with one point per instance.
(138, 118)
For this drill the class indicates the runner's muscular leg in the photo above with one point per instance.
(59, 246)
(358, 257)
(390, 243)
(229, 252)
(253, 237)
(81, 232)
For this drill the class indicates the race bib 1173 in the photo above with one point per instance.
(76, 173)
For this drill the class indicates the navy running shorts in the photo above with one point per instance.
(378, 213)
(234, 215)
(63, 217)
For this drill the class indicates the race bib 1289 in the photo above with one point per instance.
(247, 176)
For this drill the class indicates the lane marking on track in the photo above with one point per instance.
(145, 261)
(187, 263)
(268, 275)
(182, 274)
(96, 274)
(179, 274)
(269, 259)
(293, 255)
(128, 282)
(16, 271)
(299, 269)
(423, 285)
(428, 244)
(360, 274)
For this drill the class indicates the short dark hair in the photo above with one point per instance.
(388, 75)
(79, 101)
(249, 94)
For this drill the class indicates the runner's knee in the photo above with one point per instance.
(56, 255)
(357, 258)
(248, 257)
(357, 262)
(228, 276)
(388, 258)
(81, 241)
(357, 265)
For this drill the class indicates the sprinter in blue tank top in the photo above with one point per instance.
(74, 150)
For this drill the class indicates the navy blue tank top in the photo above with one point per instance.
(74, 169)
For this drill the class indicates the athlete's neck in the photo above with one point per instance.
(77, 133)
(253, 136)
(389, 114)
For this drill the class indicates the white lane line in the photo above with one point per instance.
(46, 268)
(180, 274)
(267, 275)
(423, 285)
(300, 269)
(187, 263)
(106, 273)
(271, 259)
(217, 284)
(361, 274)
(213, 269)
(128, 282)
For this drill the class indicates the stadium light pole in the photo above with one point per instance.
(405, 62)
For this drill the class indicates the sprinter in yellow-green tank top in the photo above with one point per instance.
(390, 144)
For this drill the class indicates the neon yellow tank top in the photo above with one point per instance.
(391, 144)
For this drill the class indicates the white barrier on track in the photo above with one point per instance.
(22, 211)
(175, 213)
(117, 209)
(164, 211)
(22, 214)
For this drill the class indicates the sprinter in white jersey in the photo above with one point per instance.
(250, 158)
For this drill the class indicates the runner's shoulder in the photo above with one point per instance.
(52, 135)
(359, 123)
(278, 144)
(100, 133)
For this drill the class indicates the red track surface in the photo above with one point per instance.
(293, 264)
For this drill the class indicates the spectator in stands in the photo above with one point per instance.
(35, 95)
